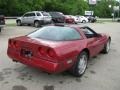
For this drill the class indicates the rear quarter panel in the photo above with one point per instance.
(70, 49)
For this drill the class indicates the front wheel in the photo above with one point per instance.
(81, 64)
(19, 23)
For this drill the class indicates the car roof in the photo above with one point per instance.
(35, 11)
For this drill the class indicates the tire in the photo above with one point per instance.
(83, 21)
(78, 68)
(76, 23)
(37, 24)
(29, 24)
(0, 29)
(106, 47)
(19, 23)
(52, 22)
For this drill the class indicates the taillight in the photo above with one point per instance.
(47, 52)
(13, 43)
(42, 51)
(51, 53)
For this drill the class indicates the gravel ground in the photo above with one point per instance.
(103, 71)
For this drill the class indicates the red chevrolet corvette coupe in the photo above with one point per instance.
(55, 49)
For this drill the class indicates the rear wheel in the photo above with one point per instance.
(37, 24)
(81, 64)
(83, 21)
(107, 47)
(19, 23)
(52, 22)
(0, 29)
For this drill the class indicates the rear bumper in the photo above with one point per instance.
(44, 65)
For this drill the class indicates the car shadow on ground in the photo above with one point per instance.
(26, 73)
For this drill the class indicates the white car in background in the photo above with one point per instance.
(76, 19)
(82, 19)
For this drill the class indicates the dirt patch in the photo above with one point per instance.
(1, 76)
(19, 87)
(85, 76)
(25, 76)
(6, 82)
(78, 80)
(7, 71)
(48, 87)
(92, 72)
(61, 82)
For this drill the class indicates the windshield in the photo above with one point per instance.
(56, 14)
(56, 33)
(45, 14)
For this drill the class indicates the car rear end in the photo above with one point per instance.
(46, 17)
(52, 49)
(38, 55)
(57, 17)
(69, 19)
(94, 19)
(91, 19)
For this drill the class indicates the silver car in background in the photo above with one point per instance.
(36, 18)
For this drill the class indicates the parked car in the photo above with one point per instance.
(57, 17)
(82, 19)
(118, 20)
(2, 21)
(91, 19)
(55, 49)
(36, 18)
(76, 19)
(69, 19)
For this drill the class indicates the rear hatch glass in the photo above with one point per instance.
(56, 33)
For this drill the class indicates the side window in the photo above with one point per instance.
(88, 33)
(81, 16)
(26, 15)
(45, 14)
(38, 14)
(31, 14)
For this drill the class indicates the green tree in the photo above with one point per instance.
(102, 8)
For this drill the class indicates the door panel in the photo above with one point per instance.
(31, 18)
(92, 46)
(100, 43)
(95, 45)
(95, 41)
(24, 19)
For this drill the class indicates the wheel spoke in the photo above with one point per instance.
(82, 64)
(108, 46)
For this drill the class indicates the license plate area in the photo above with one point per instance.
(26, 53)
